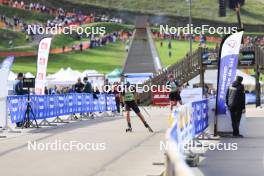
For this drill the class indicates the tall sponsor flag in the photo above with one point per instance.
(229, 53)
(43, 56)
(7, 63)
(5, 68)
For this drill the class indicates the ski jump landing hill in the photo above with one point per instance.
(143, 59)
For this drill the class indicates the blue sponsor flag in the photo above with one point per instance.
(7, 63)
(227, 66)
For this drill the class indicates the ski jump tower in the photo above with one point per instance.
(143, 57)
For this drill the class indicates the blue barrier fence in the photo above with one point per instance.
(189, 122)
(48, 106)
(200, 116)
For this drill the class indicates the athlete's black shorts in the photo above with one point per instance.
(175, 96)
(131, 105)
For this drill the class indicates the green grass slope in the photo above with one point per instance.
(25, 15)
(103, 59)
(179, 50)
(252, 12)
(18, 38)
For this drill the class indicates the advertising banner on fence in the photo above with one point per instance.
(247, 58)
(160, 98)
(5, 68)
(183, 129)
(209, 58)
(43, 56)
(191, 94)
(190, 120)
(49, 106)
(137, 78)
(227, 68)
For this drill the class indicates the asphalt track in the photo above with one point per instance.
(125, 154)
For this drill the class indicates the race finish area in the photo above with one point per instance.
(131, 88)
(112, 150)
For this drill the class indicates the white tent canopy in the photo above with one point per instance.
(29, 75)
(55, 75)
(69, 77)
(64, 77)
(210, 77)
(89, 72)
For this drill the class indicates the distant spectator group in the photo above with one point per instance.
(62, 17)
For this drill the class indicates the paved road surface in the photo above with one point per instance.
(126, 154)
(247, 160)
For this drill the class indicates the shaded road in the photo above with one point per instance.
(247, 160)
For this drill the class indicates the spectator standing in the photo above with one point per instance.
(18, 89)
(87, 86)
(107, 88)
(46, 91)
(81, 46)
(169, 45)
(170, 54)
(117, 96)
(235, 100)
(78, 87)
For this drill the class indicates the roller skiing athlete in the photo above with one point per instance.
(129, 100)
(174, 95)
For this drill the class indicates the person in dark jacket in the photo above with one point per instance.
(117, 96)
(108, 87)
(235, 100)
(78, 87)
(18, 88)
(87, 86)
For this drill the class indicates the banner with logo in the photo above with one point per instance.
(7, 63)
(160, 98)
(5, 68)
(183, 129)
(200, 115)
(43, 56)
(189, 121)
(247, 58)
(229, 54)
(49, 106)
(189, 95)
(137, 78)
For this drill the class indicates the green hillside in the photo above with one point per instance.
(252, 12)
(18, 38)
(103, 59)
(25, 15)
